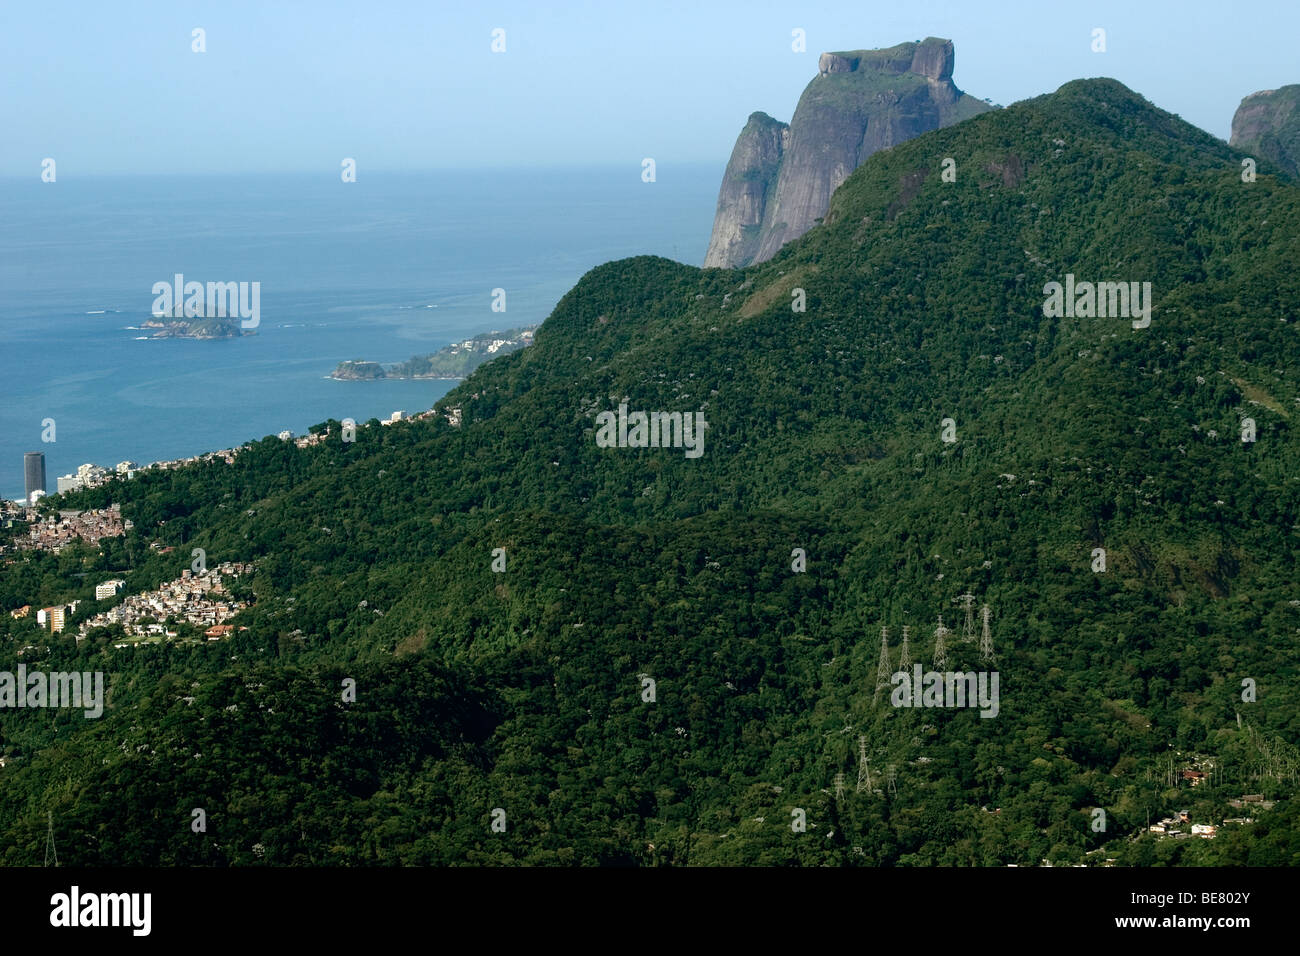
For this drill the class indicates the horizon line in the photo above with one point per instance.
(333, 173)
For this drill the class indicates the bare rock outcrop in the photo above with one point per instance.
(780, 178)
(750, 180)
(1267, 124)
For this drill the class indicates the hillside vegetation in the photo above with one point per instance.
(525, 689)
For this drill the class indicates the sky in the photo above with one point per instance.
(116, 88)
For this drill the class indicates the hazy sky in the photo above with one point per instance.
(114, 87)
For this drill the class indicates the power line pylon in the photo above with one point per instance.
(864, 773)
(839, 785)
(940, 646)
(986, 637)
(50, 848)
(905, 659)
(968, 626)
(892, 775)
(883, 672)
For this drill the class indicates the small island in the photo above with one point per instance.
(455, 361)
(196, 328)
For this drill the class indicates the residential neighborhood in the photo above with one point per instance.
(202, 599)
(1180, 826)
(58, 531)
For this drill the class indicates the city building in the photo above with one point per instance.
(52, 617)
(34, 474)
(108, 589)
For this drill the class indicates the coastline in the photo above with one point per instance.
(74, 334)
(336, 377)
(451, 363)
(174, 449)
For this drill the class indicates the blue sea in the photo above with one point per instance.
(384, 268)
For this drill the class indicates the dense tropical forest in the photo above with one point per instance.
(479, 638)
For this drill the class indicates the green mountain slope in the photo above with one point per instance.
(525, 690)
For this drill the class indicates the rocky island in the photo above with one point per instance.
(195, 328)
(454, 361)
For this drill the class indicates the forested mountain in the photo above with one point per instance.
(525, 690)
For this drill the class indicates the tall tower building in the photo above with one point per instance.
(34, 472)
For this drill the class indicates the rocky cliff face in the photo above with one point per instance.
(750, 180)
(780, 178)
(1267, 124)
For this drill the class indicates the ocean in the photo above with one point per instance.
(392, 265)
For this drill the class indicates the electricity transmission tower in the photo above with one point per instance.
(968, 626)
(940, 646)
(864, 774)
(905, 659)
(883, 673)
(50, 848)
(839, 785)
(986, 637)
